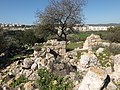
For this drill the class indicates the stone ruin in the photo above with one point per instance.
(66, 65)
(58, 46)
(91, 41)
(54, 46)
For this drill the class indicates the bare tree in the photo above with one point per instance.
(63, 15)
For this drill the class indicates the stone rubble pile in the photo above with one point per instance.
(84, 71)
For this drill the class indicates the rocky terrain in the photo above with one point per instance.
(88, 68)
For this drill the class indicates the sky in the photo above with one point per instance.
(24, 11)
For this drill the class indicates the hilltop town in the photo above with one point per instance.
(77, 27)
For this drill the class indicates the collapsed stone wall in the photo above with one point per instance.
(54, 46)
(91, 41)
(82, 70)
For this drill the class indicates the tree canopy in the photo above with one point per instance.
(63, 15)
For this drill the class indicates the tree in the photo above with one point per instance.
(62, 15)
(45, 32)
(2, 41)
(114, 33)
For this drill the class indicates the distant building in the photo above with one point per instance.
(92, 27)
(16, 26)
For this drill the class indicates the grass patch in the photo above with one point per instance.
(83, 35)
(73, 45)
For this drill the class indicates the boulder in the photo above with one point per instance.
(95, 79)
(116, 73)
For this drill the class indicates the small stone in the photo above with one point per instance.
(34, 66)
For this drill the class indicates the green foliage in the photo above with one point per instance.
(73, 45)
(81, 36)
(95, 48)
(21, 79)
(49, 81)
(114, 49)
(3, 43)
(25, 37)
(104, 58)
(11, 41)
(78, 76)
(114, 34)
(78, 54)
(45, 32)
(29, 37)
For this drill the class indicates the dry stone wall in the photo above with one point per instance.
(56, 46)
(91, 41)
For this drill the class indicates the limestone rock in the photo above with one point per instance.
(27, 63)
(34, 66)
(93, 80)
(88, 59)
(5, 87)
(116, 73)
(100, 50)
(27, 73)
(28, 86)
(33, 76)
(48, 56)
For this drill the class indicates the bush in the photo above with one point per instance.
(45, 32)
(49, 81)
(113, 34)
(21, 79)
(3, 43)
(104, 58)
(114, 49)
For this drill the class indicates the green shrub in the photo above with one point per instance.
(78, 76)
(104, 58)
(49, 81)
(114, 34)
(78, 54)
(21, 79)
(114, 49)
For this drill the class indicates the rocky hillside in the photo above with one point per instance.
(50, 67)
